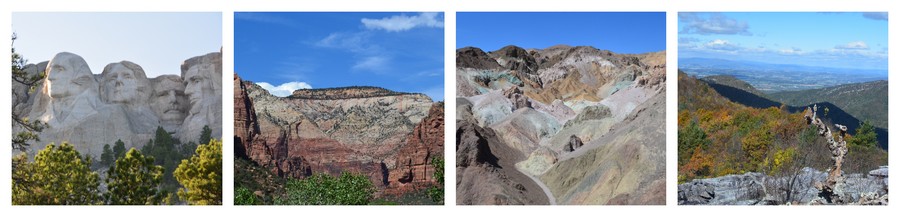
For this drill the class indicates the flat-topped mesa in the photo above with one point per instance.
(346, 93)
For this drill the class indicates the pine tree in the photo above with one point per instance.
(134, 180)
(29, 128)
(119, 149)
(106, 158)
(689, 139)
(58, 176)
(162, 149)
(865, 136)
(205, 135)
(201, 175)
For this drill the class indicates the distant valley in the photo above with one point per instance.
(770, 78)
(848, 104)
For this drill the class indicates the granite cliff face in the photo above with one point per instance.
(389, 136)
(560, 125)
(89, 110)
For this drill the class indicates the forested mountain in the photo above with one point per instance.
(849, 104)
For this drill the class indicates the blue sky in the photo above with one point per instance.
(287, 51)
(625, 32)
(159, 42)
(839, 40)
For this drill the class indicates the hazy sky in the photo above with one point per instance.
(625, 32)
(287, 51)
(158, 42)
(841, 40)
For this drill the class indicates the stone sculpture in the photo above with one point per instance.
(203, 86)
(88, 111)
(125, 84)
(68, 93)
(168, 101)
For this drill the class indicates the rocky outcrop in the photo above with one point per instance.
(760, 189)
(246, 128)
(574, 143)
(514, 94)
(344, 93)
(89, 110)
(22, 95)
(426, 142)
(485, 170)
(838, 188)
(520, 62)
(473, 57)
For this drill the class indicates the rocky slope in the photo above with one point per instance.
(754, 188)
(485, 170)
(389, 136)
(561, 117)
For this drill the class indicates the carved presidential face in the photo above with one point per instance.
(168, 100)
(123, 83)
(198, 84)
(68, 75)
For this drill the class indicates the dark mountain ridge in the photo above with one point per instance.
(836, 114)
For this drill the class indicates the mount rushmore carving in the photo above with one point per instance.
(89, 110)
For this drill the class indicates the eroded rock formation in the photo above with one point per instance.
(391, 137)
(838, 148)
(414, 169)
(541, 115)
(574, 143)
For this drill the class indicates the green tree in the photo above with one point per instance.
(58, 176)
(205, 135)
(29, 129)
(755, 146)
(201, 175)
(106, 158)
(689, 139)
(162, 149)
(865, 136)
(436, 193)
(134, 180)
(243, 196)
(119, 149)
(323, 189)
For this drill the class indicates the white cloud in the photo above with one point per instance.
(372, 63)
(855, 45)
(722, 45)
(711, 24)
(285, 89)
(791, 51)
(399, 23)
(353, 42)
